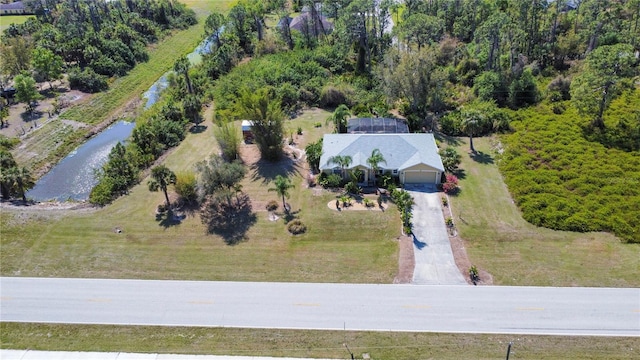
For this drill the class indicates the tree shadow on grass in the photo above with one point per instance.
(229, 222)
(460, 173)
(481, 157)
(291, 215)
(169, 218)
(268, 170)
(449, 140)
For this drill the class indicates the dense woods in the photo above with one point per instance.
(92, 40)
(558, 79)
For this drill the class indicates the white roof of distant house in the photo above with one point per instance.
(401, 151)
(18, 5)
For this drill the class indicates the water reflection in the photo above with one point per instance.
(73, 178)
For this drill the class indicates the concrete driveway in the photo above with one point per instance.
(432, 250)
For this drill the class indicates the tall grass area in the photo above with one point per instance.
(350, 247)
(515, 252)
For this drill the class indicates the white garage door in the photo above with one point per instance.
(419, 177)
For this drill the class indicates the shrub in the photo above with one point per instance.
(334, 95)
(299, 131)
(450, 186)
(345, 200)
(87, 80)
(102, 193)
(445, 202)
(272, 205)
(186, 185)
(317, 124)
(296, 227)
(352, 188)
(330, 181)
(450, 159)
(368, 203)
(559, 89)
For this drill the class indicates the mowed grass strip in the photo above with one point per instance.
(351, 247)
(309, 343)
(515, 252)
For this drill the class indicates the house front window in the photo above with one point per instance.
(395, 172)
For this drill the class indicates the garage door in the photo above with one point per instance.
(419, 177)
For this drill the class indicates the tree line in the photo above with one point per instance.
(89, 39)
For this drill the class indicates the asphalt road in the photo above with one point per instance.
(432, 308)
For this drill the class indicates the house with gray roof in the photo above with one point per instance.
(14, 8)
(412, 158)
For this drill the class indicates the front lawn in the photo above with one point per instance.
(349, 247)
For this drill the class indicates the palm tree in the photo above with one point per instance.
(24, 181)
(339, 118)
(181, 67)
(161, 178)
(374, 160)
(472, 122)
(343, 161)
(18, 179)
(283, 184)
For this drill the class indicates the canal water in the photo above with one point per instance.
(74, 177)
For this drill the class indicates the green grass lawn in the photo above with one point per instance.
(517, 253)
(338, 247)
(7, 20)
(310, 344)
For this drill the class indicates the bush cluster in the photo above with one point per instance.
(330, 180)
(563, 181)
(296, 227)
(154, 133)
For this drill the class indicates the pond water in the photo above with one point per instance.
(73, 178)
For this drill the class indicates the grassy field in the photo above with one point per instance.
(314, 344)
(7, 20)
(517, 253)
(338, 247)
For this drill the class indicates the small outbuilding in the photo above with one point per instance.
(412, 158)
(247, 131)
